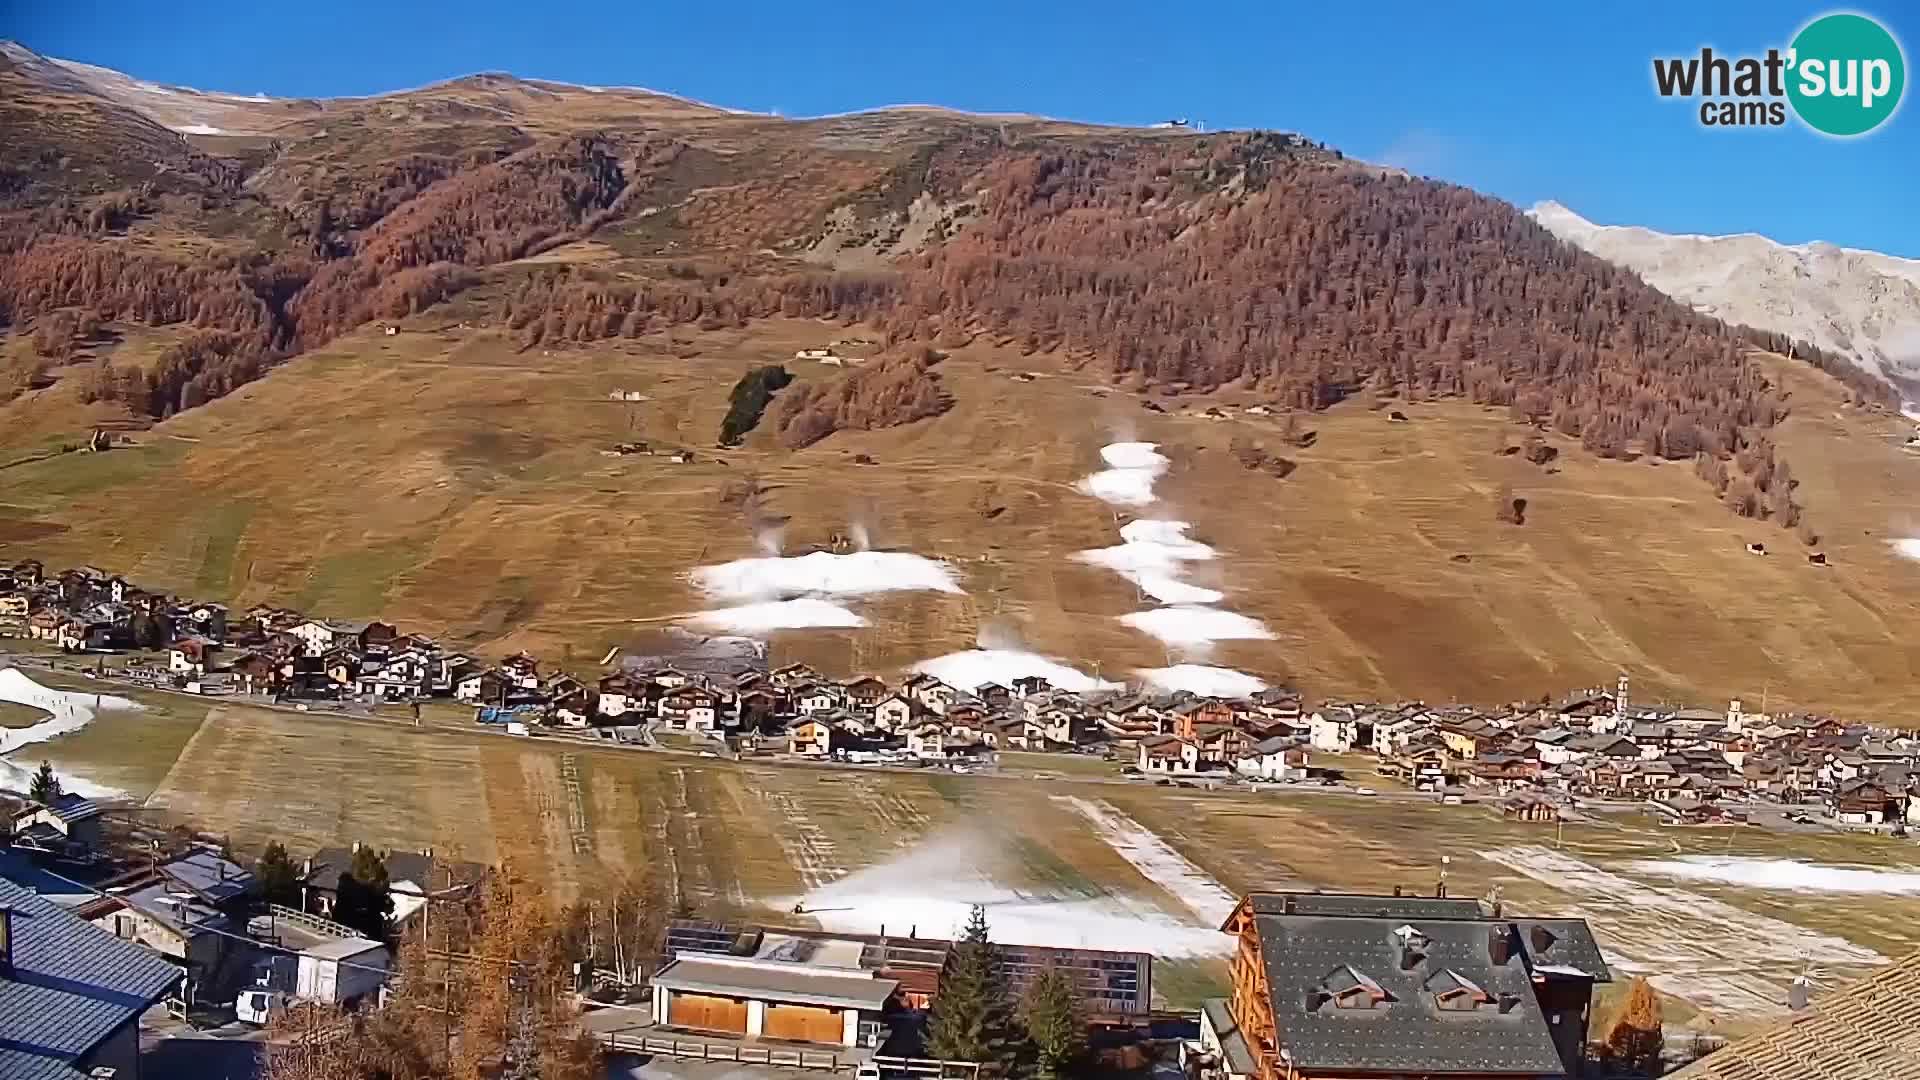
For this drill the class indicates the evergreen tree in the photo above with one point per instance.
(46, 786)
(1634, 1041)
(364, 900)
(1055, 1027)
(278, 878)
(973, 1016)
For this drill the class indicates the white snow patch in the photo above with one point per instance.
(1128, 479)
(69, 711)
(1193, 626)
(1152, 556)
(1720, 957)
(976, 667)
(1203, 680)
(798, 614)
(1784, 874)
(930, 891)
(826, 574)
(1906, 547)
(199, 129)
(1911, 411)
(1156, 860)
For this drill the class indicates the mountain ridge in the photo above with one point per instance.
(1860, 303)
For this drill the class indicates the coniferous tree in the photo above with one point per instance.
(1056, 1030)
(46, 785)
(973, 1015)
(277, 877)
(364, 899)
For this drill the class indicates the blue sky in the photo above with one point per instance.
(1523, 101)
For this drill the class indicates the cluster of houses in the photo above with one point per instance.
(1691, 763)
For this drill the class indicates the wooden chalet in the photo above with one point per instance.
(1342, 987)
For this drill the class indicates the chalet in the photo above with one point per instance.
(1554, 746)
(993, 695)
(28, 573)
(1391, 735)
(810, 737)
(1190, 716)
(1613, 747)
(793, 674)
(965, 713)
(893, 713)
(321, 635)
(1319, 980)
(1221, 744)
(1278, 758)
(414, 876)
(617, 695)
(1029, 685)
(864, 692)
(817, 697)
(1334, 729)
(759, 706)
(1167, 755)
(929, 693)
(1865, 802)
(254, 673)
(927, 741)
(1530, 806)
(44, 625)
(1427, 765)
(480, 686)
(68, 825)
(15, 606)
(192, 656)
(522, 671)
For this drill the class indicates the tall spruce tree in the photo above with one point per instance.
(1056, 1029)
(276, 876)
(45, 786)
(364, 900)
(973, 1015)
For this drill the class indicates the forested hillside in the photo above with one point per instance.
(1183, 263)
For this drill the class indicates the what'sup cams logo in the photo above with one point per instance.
(1843, 75)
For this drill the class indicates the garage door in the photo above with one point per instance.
(707, 1013)
(799, 1023)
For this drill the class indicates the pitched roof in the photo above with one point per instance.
(1867, 1030)
(72, 985)
(1402, 1027)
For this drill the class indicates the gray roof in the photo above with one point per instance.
(1406, 1030)
(1233, 1042)
(776, 981)
(72, 985)
(209, 875)
(181, 912)
(1562, 947)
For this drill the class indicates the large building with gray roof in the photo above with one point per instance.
(71, 994)
(1329, 986)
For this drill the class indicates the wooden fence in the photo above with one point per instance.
(788, 1057)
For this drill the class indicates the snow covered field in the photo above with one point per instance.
(1157, 861)
(1717, 956)
(769, 615)
(974, 667)
(1789, 875)
(930, 889)
(1155, 554)
(69, 711)
(1132, 468)
(804, 592)
(1202, 679)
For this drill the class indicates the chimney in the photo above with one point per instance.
(1499, 946)
(6, 940)
(1396, 890)
(1316, 998)
(1508, 1001)
(306, 867)
(1799, 994)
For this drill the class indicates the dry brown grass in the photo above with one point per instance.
(443, 480)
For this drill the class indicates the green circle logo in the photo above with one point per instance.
(1848, 74)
